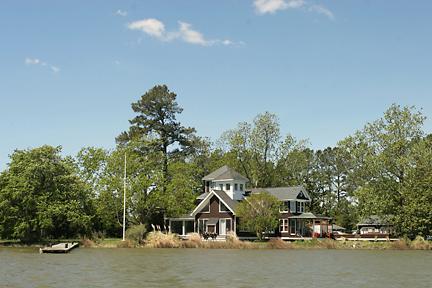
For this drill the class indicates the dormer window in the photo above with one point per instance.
(241, 187)
(222, 207)
(235, 186)
(227, 187)
(206, 208)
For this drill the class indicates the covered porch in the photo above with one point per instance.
(305, 225)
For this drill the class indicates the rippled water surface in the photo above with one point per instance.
(215, 268)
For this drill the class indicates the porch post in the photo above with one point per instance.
(183, 228)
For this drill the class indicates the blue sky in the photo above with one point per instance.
(70, 69)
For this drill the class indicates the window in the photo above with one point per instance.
(227, 187)
(221, 186)
(202, 223)
(297, 206)
(241, 187)
(292, 206)
(206, 208)
(222, 207)
(283, 225)
(228, 225)
(302, 207)
(235, 186)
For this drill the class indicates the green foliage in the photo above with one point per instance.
(390, 170)
(259, 213)
(42, 197)
(136, 233)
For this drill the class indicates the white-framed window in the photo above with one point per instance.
(227, 186)
(221, 186)
(235, 186)
(292, 206)
(302, 207)
(283, 225)
(241, 187)
(222, 207)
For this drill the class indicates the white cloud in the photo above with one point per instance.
(36, 61)
(191, 36)
(32, 61)
(121, 13)
(151, 26)
(185, 32)
(322, 10)
(272, 6)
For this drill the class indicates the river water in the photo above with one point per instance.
(87, 267)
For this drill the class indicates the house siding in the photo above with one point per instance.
(214, 213)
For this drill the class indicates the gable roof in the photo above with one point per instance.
(224, 173)
(223, 197)
(285, 193)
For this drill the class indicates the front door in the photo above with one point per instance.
(222, 226)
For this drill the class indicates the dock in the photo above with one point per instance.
(59, 248)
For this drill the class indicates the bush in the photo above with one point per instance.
(136, 233)
(158, 239)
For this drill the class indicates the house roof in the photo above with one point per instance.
(285, 193)
(309, 215)
(337, 227)
(229, 203)
(224, 173)
(373, 220)
(202, 196)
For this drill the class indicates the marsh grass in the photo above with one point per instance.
(157, 239)
(419, 243)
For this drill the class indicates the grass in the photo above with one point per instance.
(161, 240)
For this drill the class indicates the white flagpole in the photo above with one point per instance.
(124, 199)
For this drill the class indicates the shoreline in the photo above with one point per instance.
(316, 244)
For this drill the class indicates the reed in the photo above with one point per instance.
(278, 243)
(419, 243)
(158, 239)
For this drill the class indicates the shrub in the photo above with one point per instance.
(136, 233)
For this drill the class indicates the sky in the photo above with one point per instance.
(70, 69)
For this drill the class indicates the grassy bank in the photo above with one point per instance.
(161, 240)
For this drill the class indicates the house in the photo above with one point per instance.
(224, 188)
(374, 226)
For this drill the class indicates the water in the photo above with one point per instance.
(215, 268)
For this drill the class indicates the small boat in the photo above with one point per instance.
(59, 248)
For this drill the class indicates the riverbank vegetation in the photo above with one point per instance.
(382, 169)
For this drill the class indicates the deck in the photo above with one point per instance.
(59, 248)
